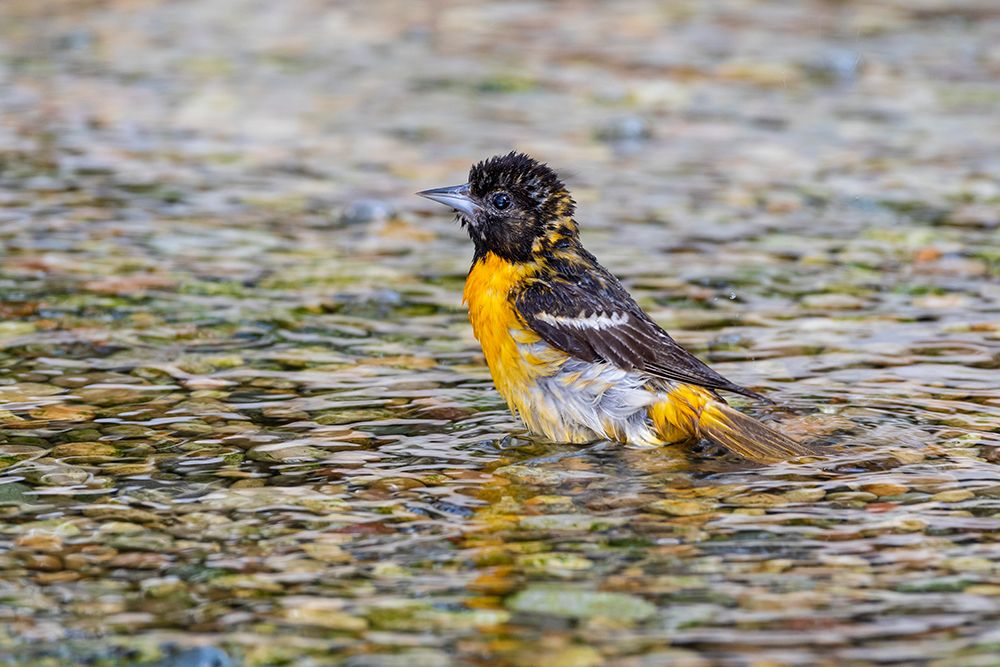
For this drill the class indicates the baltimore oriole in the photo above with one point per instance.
(568, 347)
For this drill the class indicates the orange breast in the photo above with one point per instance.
(498, 328)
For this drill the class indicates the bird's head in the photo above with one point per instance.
(513, 206)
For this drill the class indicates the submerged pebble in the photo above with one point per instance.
(365, 211)
(580, 604)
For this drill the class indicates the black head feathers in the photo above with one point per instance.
(534, 184)
(513, 206)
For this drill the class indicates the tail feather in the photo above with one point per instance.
(744, 435)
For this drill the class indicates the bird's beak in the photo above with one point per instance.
(456, 196)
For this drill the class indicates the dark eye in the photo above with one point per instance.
(501, 200)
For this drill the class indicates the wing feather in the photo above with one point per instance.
(606, 324)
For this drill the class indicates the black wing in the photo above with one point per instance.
(595, 319)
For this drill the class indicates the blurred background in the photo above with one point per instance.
(241, 408)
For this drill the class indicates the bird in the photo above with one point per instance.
(569, 349)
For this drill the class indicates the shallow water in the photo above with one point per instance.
(241, 407)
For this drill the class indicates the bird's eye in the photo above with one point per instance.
(501, 201)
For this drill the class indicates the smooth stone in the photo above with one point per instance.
(953, 496)
(580, 603)
(680, 507)
(883, 489)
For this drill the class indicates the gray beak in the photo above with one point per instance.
(456, 196)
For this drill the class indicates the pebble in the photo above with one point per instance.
(953, 496)
(625, 128)
(163, 587)
(286, 452)
(140, 561)
(47, 562)
(767, 73)
(554, 563)
(84, 452)
(537, 476)
(970, 564)
(548, 503)
(57, 475)
(361, 211)
(44, 542)
(884, 489)
(678, 507)
(59, 577)
(328, 553)
(580, 603)
(320, 615)
(125, 514)
(570, 656)
(757, 500)
(568, 522)
(833, 302)
(804, 495)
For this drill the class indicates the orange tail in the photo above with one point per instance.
(693, 412)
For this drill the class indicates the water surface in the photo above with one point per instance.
(241, 406)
